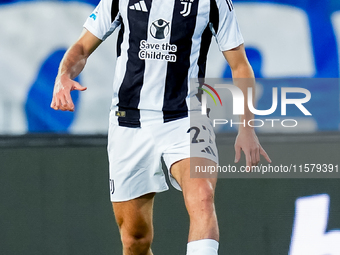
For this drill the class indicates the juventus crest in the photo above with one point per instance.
(187, 7)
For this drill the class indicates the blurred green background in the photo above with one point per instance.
(55, 198)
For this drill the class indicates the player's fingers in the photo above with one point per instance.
(248, 161)
(258, 157)
(265, 155)
(254, 156)
(57, 103)
(64, 104)
(53, 104)
(77, 86)
(237, 154)
(69, 102)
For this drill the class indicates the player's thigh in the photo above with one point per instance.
(197, 188)
(134, 217)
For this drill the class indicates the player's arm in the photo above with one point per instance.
(70, 67)
(243, 77)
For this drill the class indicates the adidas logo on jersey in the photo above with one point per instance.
(140, 6)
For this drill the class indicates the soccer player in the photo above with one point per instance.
(161, 45)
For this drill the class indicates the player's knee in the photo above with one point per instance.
(137, 242)
(136, 235)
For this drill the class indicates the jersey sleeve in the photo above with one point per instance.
(226, 31)
(104, 19)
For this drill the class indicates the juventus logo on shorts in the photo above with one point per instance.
(187, 7)
(112, 186)
(159, 29)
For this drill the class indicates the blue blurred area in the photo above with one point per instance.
(324, 104)
(40, 117)
(92, 2)
(323, 37)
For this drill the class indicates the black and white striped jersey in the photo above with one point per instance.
(161, 45)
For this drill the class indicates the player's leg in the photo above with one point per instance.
(135, 177)
(134, 219)
(199, 200)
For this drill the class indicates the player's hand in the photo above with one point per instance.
(62, 93)
(248, 142)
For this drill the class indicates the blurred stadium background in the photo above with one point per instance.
(53, 165)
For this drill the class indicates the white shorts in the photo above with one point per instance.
(135, 154)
